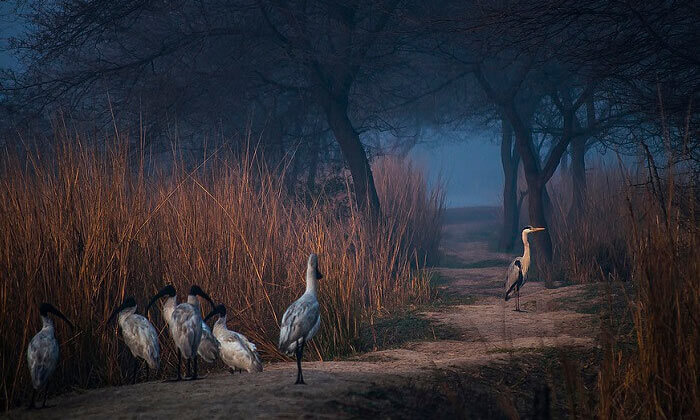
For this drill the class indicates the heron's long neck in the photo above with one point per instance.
(311, 280)
(525, 262)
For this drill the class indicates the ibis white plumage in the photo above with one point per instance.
(43, 353)
(209, 346)
(185, 324)
(236, 350)
(302, 320)
(517, 270)
(139, 335)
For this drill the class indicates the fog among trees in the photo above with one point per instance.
(335, 84)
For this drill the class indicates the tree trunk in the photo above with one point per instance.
(535, 187)
(511, 215)
(354, 155)
(536, 209)
(578, 176)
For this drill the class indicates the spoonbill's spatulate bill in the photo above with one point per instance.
(302, 319)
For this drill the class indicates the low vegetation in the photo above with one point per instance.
(84, 226)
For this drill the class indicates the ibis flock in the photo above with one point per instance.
(190, 333)
(192, 336)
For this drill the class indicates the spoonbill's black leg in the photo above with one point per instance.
(300, 375)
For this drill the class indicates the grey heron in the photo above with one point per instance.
(185, 324)
(302, 319)
(139, 335)
(236, 351)
(42, 353)
(517, 270)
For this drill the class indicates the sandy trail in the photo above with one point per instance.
(487, 332)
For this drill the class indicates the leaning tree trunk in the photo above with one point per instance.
(354, 155)
(511, 214)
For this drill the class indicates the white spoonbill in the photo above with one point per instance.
(302, 319)
(236, 351)
(42, 353)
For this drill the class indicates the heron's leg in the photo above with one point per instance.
(148, 370)
(189, 367)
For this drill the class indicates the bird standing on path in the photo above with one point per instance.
(302, 319)
(517, 270)
(236, 351)
(42, 353)
(139, 335)
(185, 324)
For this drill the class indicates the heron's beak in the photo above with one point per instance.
(538, 229)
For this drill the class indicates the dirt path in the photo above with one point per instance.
(490, 362)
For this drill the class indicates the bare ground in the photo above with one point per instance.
(494, 362)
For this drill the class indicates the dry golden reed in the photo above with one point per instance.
(84, 226)
(644, 233)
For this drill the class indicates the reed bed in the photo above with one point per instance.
(642, 233)
(85, 226)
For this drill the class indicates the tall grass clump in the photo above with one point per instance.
(641, 231)
(658, 377)
(591, 241)
(84, 226)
